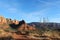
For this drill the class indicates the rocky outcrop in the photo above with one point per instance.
(15, 22)
(26, 27)
(22, 25)
(2, 20)
(21, 28)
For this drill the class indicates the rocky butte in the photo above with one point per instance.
(14, 28)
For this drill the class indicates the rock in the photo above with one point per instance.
(2, 20)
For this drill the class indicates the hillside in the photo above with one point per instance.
(14, 29)
(49, 25)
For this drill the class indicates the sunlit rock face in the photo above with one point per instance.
(3, 23)
(2, 20)
(15, 22)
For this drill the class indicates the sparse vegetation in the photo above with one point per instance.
(12, 28)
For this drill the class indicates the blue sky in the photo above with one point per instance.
(31, 10)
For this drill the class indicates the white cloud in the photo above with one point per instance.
(10, 7)
(57, 2)
(12, 10)
(34, 16)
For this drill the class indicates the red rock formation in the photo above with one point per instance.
(23, 27)
(19, 25)
(15, 22)
(2, 20)
(26, 27)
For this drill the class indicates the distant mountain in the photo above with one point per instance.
(49, 25)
